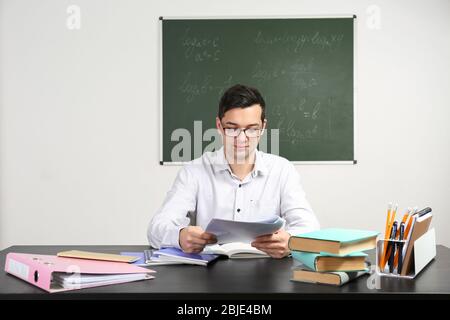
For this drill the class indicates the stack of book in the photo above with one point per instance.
(331, 256)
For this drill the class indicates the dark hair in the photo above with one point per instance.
(241, 96)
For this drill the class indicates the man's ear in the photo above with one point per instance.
(263, 129)
(218, 125)
(264, 125)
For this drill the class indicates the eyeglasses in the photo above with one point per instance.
(249, 132)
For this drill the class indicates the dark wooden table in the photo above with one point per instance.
(233, 279)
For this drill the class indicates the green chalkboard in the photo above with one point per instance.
(304, 68)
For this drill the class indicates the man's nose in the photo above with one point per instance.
(241, 137)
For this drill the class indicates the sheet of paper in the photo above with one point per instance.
(242, 231)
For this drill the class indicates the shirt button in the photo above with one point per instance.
(240, 185)
(238, 210)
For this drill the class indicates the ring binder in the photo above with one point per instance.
(54, 274)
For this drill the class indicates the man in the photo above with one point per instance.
(237, 182)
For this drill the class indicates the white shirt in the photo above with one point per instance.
(207, 187)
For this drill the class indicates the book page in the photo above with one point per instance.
(232, 248)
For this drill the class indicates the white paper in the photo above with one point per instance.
(228, 231)
(235, 250)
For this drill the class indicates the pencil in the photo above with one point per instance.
(386, 235)
(387, 248)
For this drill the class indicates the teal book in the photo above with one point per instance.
(324, 262)
(334, 241)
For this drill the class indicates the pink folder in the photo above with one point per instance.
(38, 269)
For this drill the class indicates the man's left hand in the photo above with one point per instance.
(275, 245)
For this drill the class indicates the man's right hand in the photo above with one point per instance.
(193, 239)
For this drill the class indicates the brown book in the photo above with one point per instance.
(97, 256)
(420, 227)
(330, 278)
(335, 241)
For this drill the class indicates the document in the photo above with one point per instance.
(228, 231)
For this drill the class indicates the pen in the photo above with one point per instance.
(403, 222)
(424, 211)
(400, 248)
(393, 245)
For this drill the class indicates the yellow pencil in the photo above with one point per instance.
(386, 252)
(386, 236)
(388, 220)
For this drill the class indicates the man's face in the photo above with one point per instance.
(241, 147)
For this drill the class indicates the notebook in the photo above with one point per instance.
(335, 241)
(325, 262)
(235, 250)
(419, 228)
(177, 255)
(148, 258)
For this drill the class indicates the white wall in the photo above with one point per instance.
(79, 117)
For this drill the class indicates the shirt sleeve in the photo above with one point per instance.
(295, 209)
(165, 226)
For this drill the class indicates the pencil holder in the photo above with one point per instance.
(390, 263)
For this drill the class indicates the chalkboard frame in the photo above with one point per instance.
(161, 71)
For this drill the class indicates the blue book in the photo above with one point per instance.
(148, 258)
(177, 255)
(324, 262)
(335, 241)
(141, 262)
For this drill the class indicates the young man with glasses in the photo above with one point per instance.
(236, 182)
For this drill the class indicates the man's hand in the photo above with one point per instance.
(193, 239)
(275, 245)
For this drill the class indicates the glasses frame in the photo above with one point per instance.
(261, 132)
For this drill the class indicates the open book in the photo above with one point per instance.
(235, 250)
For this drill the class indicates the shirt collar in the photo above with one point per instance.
(220, 163)
(260, 165)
